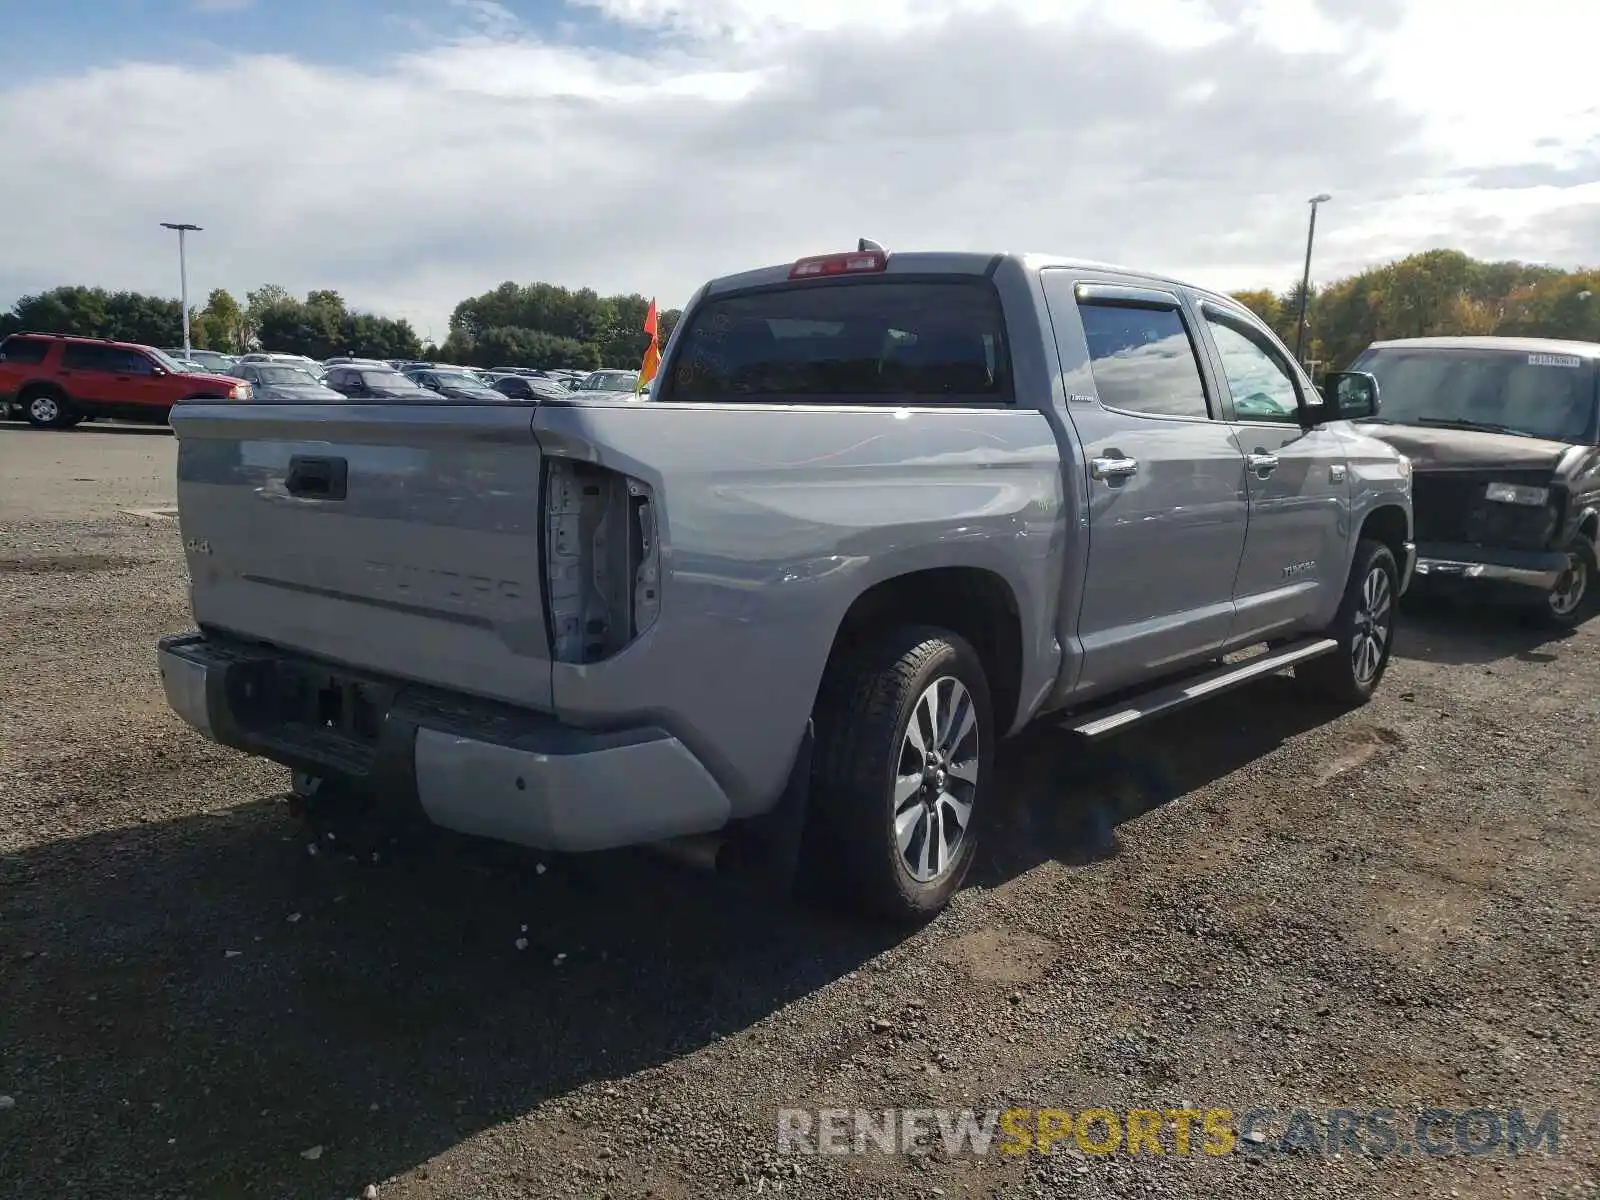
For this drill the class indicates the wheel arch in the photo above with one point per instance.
(1389, 524)
(36, 387)
(975, 603)
(1589, 525)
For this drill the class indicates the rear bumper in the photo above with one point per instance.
(1447, 564)
(469, 765)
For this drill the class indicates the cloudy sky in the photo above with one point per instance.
(413, 152)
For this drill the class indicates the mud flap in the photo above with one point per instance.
(771, 842)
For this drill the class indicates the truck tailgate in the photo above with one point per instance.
(399, 539)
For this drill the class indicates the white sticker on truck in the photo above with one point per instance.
(1554, 360)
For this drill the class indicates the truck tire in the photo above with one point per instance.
(903, 759)
(1364, 629)
(48, 408)
(1572, 599)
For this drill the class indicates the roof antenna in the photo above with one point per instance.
(866, 244)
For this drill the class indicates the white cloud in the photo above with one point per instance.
(1183, 135)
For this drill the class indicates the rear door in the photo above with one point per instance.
(1167, 497)
(1294, 553)
(88, 372)
(401, 539)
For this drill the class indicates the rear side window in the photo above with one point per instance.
(80, 357)
(23, 349)
(1143, 360)
(862, 342)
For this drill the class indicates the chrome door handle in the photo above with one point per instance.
(1262, 463)
(1113, 468)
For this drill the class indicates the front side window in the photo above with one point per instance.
(131, 362)
(878, 341)
(1260, 383)
(1143, 360)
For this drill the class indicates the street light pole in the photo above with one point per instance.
(1305, 280)
(183, 275)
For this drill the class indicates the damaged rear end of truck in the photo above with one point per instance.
(382, 592)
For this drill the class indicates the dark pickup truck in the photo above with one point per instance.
(1504, 440)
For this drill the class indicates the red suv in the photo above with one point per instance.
(58, 381)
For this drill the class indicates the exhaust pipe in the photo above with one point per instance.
(710, 852)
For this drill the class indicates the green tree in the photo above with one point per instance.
(223, 322)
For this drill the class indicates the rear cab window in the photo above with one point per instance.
(904, 342)
(1532, 393)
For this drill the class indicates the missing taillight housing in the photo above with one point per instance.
(602, 560)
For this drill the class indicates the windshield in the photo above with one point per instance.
(167, 362)
(611, 381)
(458, 379)
(388, 379)
(877, 341)
(285, 376)
(1533, 395)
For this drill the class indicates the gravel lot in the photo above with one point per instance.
(1391, 907)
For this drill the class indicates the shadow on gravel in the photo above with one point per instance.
(187, 1008)
(1457, 633)
(389, 1020)
(1064, 801)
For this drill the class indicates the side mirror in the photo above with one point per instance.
(1350, 395)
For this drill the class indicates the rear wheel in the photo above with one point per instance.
(47, 408)
(1572, 598)
(1363, 627)
(905, 742)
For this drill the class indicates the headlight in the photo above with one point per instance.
(241, 391)
(1404, 467)
(1517, 493)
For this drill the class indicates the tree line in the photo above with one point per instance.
(533, 325)
(1435, 293)
(543, 325)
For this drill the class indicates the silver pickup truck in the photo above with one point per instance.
(877, 513)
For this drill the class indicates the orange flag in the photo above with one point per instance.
(652, 352)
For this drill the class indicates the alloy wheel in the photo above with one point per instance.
(936, 780)
(1374, 618)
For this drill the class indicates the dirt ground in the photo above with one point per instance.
(1255, 904)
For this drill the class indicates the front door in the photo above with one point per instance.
(1294, 560)
(1166, 490)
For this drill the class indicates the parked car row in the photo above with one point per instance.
(55, 381)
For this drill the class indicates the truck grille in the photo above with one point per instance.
(1450, 507)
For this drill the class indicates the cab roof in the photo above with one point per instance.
(961, 262)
